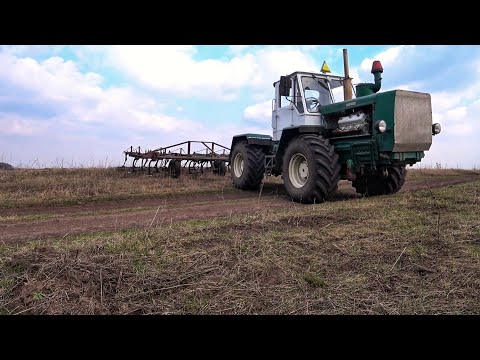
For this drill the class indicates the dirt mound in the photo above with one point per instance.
(5, 166)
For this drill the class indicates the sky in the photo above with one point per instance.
(84, 105)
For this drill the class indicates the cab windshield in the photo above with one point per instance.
(317, 93)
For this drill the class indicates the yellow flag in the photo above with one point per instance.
(325, 68)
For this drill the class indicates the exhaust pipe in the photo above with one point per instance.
(347, 83)
(369, 89)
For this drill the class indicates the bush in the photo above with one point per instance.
(5, 166)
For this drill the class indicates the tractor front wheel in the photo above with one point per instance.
(311, 170)
(247, 166)
(378, 184)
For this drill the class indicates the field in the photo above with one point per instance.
(101, 241)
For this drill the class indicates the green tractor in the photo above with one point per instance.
(316, 141)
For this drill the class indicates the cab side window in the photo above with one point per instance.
(298, 97)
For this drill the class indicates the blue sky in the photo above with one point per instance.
(83, 105)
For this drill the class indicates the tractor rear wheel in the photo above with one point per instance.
(247, 166)
(174, 168)
(378, 184)
(311, 170)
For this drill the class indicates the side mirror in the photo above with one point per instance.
(285, 85)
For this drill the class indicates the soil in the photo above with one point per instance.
(61, 221)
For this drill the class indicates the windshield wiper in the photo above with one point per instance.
(318, 81)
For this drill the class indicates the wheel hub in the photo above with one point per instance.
(303, 169)
(238, 165)
(298, 170)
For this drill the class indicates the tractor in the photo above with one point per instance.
(368, 139)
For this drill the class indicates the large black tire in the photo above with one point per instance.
(219, 168)
(311, 170)
(247, 166)
(175, 168)
(378, 184)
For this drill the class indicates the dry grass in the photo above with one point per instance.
(410, 253)
(31, 187)
(431, 172)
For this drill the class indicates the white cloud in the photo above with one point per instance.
(355, 75)
(456, 110)
(76, 117)
(58, 100)
(173, 69)
(238, 49)
(457, 113)
(388, 57)
(460, 122)
(442, 101)
(15, 124)
(54, 78)
(274, 62)
(446, 100)
(79, 98)
(261, 112)
(451, 153)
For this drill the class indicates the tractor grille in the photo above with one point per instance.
(413, 121)
(362, 153)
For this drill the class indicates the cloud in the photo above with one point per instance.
(174, 69)
(108, 97)
(449, 152)
(53, 79)
(77, 97)
(431, 68)
(65, 111)
(445, 100)
(457, 112)
(388, 58)
(459, 122)
(261, 112)
(238, 49)
(455, 98)
(15, 124)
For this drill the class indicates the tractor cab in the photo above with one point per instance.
(299, 97)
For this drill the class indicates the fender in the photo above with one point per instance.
(265, 141)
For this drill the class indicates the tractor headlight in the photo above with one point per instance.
(436, 128)
(381, 126)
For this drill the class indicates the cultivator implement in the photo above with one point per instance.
(193, 156)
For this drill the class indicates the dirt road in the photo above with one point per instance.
(41, 222)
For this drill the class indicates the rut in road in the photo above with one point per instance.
(123, 214)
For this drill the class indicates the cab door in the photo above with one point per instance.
(282, 106)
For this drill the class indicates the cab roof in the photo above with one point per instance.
(318, 75)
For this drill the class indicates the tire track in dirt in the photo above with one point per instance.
(62, 226)
(69, 219)
(115, 205)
